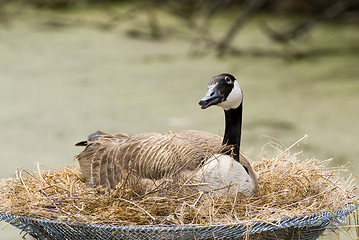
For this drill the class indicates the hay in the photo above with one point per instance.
(288, 187)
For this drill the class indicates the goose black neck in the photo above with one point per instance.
(233, 130)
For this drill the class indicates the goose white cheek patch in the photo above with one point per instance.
(234, 98)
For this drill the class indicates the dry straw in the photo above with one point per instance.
(288, 187)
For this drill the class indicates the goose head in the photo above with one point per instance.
(223, 91)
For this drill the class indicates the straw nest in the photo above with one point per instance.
(288, 187)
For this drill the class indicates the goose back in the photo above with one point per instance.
(109, 158)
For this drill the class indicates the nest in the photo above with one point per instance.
(288, 187)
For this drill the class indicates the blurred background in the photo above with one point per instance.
(69, 68)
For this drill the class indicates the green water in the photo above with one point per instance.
(60, 84)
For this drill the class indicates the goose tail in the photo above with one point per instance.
(92, 137)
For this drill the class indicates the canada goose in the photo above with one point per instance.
(108, 158)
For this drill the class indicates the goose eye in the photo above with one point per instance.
(227, 79)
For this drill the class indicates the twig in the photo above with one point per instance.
(291, 146)
(306, 25)
(141, 208)
(8, 223)
(39, 171)
(251, 6)
(19, 173)
(199, 197)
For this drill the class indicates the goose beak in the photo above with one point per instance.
(212, 97)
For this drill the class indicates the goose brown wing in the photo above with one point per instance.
(108, 159)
